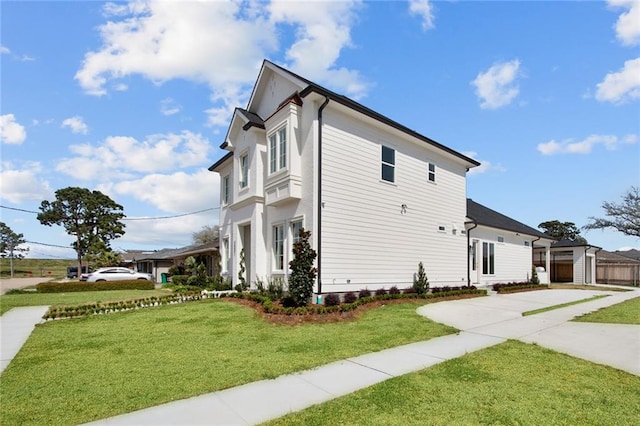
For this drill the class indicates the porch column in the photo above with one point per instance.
(547, 261)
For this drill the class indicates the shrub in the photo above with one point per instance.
(179, 279)
(332, 299)
(409, 290)
(420, 281)
(350, 297)
(303, 273)
(364, 293)
(275, 288)
(381, 292)
(54, 287)
(394, 290)
(288, 302)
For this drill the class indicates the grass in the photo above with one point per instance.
(562, 305)
(79, 370)
(511, 383)
(627, 312)
(50, 268)
(9, 301)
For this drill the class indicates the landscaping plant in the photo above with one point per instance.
(303, 273)
(420, 281)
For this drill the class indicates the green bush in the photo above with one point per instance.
(55, 287)
(179, 279)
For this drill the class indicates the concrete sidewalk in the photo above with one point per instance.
(484, 321)
(15, 328)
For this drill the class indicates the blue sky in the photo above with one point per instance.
(133, 99)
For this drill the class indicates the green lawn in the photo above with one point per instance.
(78, 370)
(512, 383)
(623, 313)
(562, 305)
(9, 301)
(48, 268)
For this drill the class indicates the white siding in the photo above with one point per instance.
(367, 241)
(513, 260)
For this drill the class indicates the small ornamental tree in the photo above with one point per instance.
(241, 271)
(420, 281)
(303, 273)
(534, 276)
(10, 245)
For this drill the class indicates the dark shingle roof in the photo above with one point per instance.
(631, 254)
(604, 256)
(253, 120)
(485, 216)
(572, 243)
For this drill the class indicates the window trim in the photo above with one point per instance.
(226, 189)
(243, 181)
(488, 258)
(431, 173)
(278, 257)
(278, 149)
(389, 165)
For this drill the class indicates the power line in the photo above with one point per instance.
(49, 245)
(128, 218)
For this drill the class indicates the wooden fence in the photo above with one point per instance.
(618, 273)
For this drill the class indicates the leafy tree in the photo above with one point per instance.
(91, 217)
(624, 217)
(420, 281)
(100, 256)
(562, 230)
(303, 273)
(10, 245)
(208, 234)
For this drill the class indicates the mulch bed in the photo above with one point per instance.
(337, 316)
(522, 290)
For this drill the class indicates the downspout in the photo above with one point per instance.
(475, 225)
(319, 212)
(533, 259)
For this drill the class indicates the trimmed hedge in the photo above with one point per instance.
(269, 307)
(125, 305)
(515, 287)
(56, 287)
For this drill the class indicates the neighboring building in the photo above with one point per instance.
(501, 248)
(158, 262)
(377, 197)
(571, 261)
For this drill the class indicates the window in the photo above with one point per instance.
(295, 230)
(225, 254)
(226, 189)
(278, 247)
(488, 258)
(244, 171)
(388, 164)
(432, 172)
(278, 150)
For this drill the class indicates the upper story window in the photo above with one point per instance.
(388, 164)
(278, 150)
(432, 172)
(226, 189)
(244, 171)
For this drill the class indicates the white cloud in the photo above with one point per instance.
(11, 132)
(169, 107)
(174, 232)
(323, 29)
(628, 24)
(122, 156)
(622, 86)
(75, 124)
(4, 50)
(585, 146)
(17, 186)
(176, 193)
(484, 167)
(497, 86)
(162, 40)
(424, 9)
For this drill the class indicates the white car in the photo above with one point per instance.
(117, 274)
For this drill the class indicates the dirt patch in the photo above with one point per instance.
(337, 316)
(7, 284)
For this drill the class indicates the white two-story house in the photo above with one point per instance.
(377, 197)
